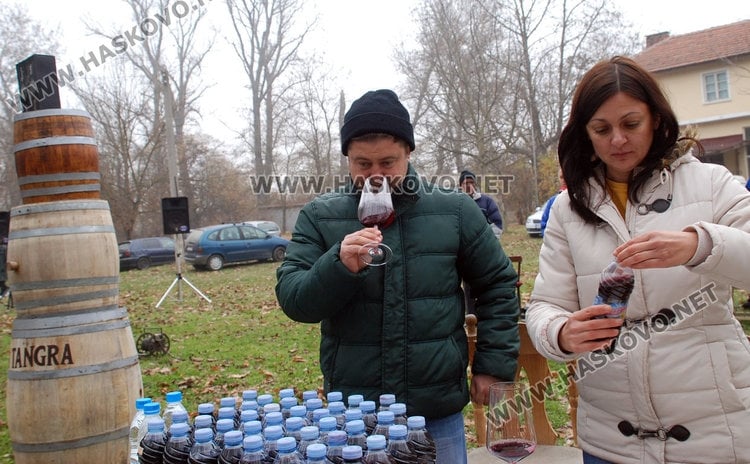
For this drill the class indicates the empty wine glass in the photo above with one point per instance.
(375, 210)
(510, 427)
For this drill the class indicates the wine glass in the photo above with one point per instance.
(375, 210)
(510, 427)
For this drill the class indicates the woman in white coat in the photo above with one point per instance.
(669, 383)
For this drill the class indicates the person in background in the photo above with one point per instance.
(548, 205)
(468, 182)
(399, 328)
(675, 386)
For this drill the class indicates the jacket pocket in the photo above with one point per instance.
(730, 400)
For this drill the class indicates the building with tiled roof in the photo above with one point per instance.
(706, 75)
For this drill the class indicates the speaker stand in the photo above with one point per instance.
(177, 282)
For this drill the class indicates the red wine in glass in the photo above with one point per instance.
(512, 450)
(375, 210)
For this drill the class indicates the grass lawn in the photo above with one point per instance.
(241, 340)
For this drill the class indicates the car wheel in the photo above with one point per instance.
(143, 263)
(278, 254)
(215, 262)
(198, 267)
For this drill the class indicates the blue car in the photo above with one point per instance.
(142, 253)
(214, 247)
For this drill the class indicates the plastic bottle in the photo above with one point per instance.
(174, 403)
(263, 400)
(312, 404)
(273, 418)
(152, 445)
(615, 286)
(180, 417)
(151, 410)
(420, 441)
(352, 454)
(286, 393)
(336, 442)
(223, 426)
(287, 452)
(369, 415)
(293, 428)
(386, 400)
(376, 453)
(299, 411)
(204, 449)
(206, 409)
(317, 454)
(228, 402)
(204, 421)
(226, 412)
(352, 414)
(247, 415)
(286, 404)
(253, 427)
(248, 395)
(232, 451)
(136, 425)
(385, 420)
(355, 431)
(398, 449)
(326, 425)
(337, 409)
(353, 401)
(252, 450)
(307, 394)
(271, 436)
(399, 413)
(177, 448)
(319, 414)
(310, 434)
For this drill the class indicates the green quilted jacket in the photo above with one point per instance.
(399, 328)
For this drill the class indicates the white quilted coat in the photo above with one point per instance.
(695, 372)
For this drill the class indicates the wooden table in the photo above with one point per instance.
(544, 454)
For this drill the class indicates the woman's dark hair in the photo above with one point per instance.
(575, 151)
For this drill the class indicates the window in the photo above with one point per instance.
(715, 86)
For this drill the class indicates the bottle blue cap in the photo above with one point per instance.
(248, 415)
(337, 438)
(206, 408)
(179, 429)
(313, 404)
(233, 438)
(334, 396)
(228, 402)
(204, 435)
(387, 399)
(376, 442)
(252, 427)
(367, 406)
(351, 452)
(249, 395)
(274, 432)
(397, 431)
(252, 443)
(203, 420)
(140, 402)
(224, 425)
(286, 444)
(155, 425)
(309, 432)
(354, 400)
(307, 394)
(226, 412)
(415, 422)
(249, 404)
(274, 418)
(271, 407)
(385, 417)
(264, 399)
(352, 414)
(179, 416)
(336, 407)
(316, 451)
(327, 424)
(151, 408)
(319, 413)
(398, 408)
(298, 411)
(294, 423)
(173, 397)
(287, 402)
(355, 427)
(286, 393)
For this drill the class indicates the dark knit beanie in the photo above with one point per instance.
(377, 111)
(464, 175)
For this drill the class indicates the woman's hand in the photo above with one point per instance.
(658, 249)
(582, 333)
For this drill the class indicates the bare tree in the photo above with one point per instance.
(20, 37)
(267, 43)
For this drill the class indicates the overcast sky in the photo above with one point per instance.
(357, 36)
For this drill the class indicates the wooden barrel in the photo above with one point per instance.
(56, 155)
(73, 375)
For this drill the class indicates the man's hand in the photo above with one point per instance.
(352, 243)
(480, 387)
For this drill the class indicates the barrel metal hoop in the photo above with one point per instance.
(64, 283)
(55, 206)
(50, 112)
(70, 444)
(73, 371)
(57, 140)
(60, 177)
(65, 299)
(62, 319)
(18, 234)
(60, 190)
(71, 330)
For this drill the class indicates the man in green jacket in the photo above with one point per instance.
(399, 328)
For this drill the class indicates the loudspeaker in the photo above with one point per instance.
(4, 225)
(175, 214)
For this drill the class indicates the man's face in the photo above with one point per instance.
(378, 157)
(468, 186)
